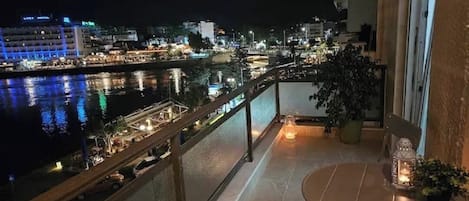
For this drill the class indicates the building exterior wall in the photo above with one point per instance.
(43, 43)
(192, 27)
(361, 12)
(82, 41)
(448, 115)
(315, 30)
(391, 49)
(207, 30)
(126, 36)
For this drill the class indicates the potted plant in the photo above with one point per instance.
(347, 82)
(438, 181)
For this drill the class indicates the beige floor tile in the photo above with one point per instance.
(291, 162)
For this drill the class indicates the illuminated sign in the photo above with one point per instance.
(28, 18)
(43, 18)
(88, 23)
(67, 20)
(37, 18)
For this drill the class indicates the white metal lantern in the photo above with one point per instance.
(403, 163)
(290, 128)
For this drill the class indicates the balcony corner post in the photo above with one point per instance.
(277, 96)
(249, 124)
(176, 160)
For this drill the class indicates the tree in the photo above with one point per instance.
(196, 96)
(207, 44)
(196, 42)
(175, 31)
(313, 42)
(330, 42)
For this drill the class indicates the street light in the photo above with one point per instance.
(252, 32)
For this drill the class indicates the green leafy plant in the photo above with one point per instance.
(435, 178)
(347, 82)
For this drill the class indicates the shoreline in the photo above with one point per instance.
(108, 68)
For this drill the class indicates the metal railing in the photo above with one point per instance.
(205, 138)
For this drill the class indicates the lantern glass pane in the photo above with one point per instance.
(404, 172)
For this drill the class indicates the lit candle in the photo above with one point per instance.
(404, 179)
(290, 136)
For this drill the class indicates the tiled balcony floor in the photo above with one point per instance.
(291, 162)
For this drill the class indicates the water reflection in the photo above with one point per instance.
(81, 110)
(139, 75)
(59, 97)
(176, 76)
(51, 115)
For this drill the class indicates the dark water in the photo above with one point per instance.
(45, 118)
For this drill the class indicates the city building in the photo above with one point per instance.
(207, 30)
(192, 27)
(156, 41)
(126, 36)
(44, 38)
(156, 31)
(119, 34)
(313, 30)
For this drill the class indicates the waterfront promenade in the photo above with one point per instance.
(106, 68)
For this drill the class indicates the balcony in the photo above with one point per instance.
(233, 149)
(280, 165)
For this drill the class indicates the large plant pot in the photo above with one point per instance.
(442, 197)
(351, 131)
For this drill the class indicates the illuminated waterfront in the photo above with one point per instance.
(56, 113)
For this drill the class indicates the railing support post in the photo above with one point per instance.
(176, 161)
(249, 124)
(277, 96)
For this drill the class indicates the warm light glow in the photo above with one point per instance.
(404, 179)
(405, 171)
(403, 162)
(255, 133)
(289, 128)
(150, 128)
(142, 127)
(58, 165)
(290, 136)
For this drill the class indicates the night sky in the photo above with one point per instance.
(230, 13)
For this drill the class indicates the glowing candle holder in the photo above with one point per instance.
(403, 163)
(290, 128)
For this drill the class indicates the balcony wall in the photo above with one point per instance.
(448, 115)
(209, 162)
(263, 111)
